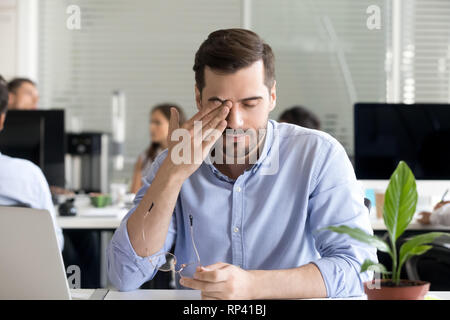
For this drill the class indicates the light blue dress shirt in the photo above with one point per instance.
(23, 183)
(266, 219)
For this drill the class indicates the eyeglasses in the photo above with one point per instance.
(166, 261)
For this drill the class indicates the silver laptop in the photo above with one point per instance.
(31, 264)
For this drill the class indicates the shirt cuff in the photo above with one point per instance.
(340, 278)
(330, 274)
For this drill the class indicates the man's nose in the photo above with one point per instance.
(235, 117)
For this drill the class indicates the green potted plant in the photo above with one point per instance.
(399, 208)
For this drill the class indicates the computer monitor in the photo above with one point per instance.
(419, 134)
(38, 136)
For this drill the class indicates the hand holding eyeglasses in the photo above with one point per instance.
(218, 281)
(166, 261)
(221, 281)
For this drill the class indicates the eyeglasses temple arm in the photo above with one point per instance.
(191, 218)
(143, 219)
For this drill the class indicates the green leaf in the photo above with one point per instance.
(369, 265)
(416, 251)
(414, 245)
(400, 201)
(362, 236)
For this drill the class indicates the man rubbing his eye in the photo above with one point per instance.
(258, 225)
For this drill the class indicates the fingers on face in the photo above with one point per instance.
(174, 121)
(214, 135)
(212, 120)
(202, 113)
(202, 128)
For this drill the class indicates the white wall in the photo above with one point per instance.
(8, 38)
(19, 38)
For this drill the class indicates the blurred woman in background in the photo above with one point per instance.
(439, 216)
(159, 130)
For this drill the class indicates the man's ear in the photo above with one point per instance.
(273, 96)
(198, 97)
(2, 120)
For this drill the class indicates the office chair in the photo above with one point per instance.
(432, 266)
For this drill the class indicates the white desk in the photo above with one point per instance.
(99, 223)
(175, 295)
(151, 294)
(105, 220)
(85, 294)
(81, 294)
(88, 217)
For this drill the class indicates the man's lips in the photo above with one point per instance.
(234, 132)
(234, 136)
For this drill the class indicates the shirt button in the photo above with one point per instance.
(236, 229)
(238, 189)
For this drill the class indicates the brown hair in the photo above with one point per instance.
(165, 110)
(16, 83)
(229, 50)
(300, 116)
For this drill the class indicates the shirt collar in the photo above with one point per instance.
(267, 146)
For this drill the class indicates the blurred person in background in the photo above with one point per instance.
(439, 216)
(23, 94)
(22, 183)
(159, 130)
(300, 116)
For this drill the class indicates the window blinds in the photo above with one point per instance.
(145, 48)
(425, 51)
(326, 57)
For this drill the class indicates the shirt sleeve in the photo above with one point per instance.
(44, 201)
(441, 216)
(338, 199)
(126, 269)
